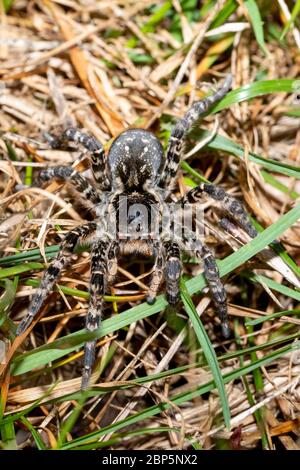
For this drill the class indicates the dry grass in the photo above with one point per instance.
(106, 66)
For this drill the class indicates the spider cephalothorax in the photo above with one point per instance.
(129, 200)
(135, 159)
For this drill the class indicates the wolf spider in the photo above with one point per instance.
(137, 169)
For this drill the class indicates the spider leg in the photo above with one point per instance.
(172, 271)
(93, 146)
(231, 205)
(98, 285)
(167, 260)
(53, 272)
(183, 126)
(112, 265)
(211, 273)
(157, 277)
(68, 174)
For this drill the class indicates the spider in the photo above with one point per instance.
(136, 171)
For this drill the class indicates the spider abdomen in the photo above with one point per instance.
(135, 159)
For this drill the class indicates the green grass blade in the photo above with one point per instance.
(258, 383)
(7, 4)
(8, 437)
(294, 14)
(208, 351)
(251, 249)
(185, 166)
(83, 294)
(228, 9)
(293, 293)
(19, 414)
(65, 345)
(6, 301)
(30, 255)
(154, 377)
(158, 16)
(268, 178)
(46, 353)
(229, 146)
(273, 316)
(253, 90)
(35, 254)
(37, 438)
(23, 268)
(139, 432)
(182, 397)
(171, 372)
(68, 425)
(257, 24)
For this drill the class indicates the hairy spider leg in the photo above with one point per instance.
(112, 262)
(182, 127)
(53, 272)
(68, 174)
(231, 205)
(97, 289)
(172, 271)
(211, 272)
(96, 149)
(157, 276)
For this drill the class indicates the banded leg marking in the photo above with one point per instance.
(97, 289)
(172, 272)
(212, 275)
(53, 272)
(183, 126)
(231, 205)
(68, 174)
(94, 147)
(217, 289)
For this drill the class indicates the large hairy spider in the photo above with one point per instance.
(136, 175)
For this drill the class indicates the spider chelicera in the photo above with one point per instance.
(135, 170)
